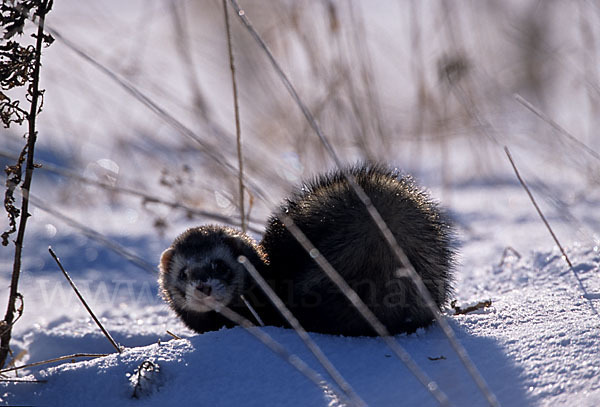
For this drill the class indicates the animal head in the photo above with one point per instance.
(200, 270)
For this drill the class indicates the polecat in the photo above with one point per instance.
(203, 261)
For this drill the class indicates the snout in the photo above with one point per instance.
(204, 288)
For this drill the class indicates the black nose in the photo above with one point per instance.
(204, 288)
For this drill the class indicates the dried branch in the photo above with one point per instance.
(556, 126)
(14, 174)
(505, 253)
(271, 344)
(173, 335)
(92, 234)
(59, 359)
(236, 108)
(537, 208)
(89, 310)
(146, 375)
(539, 211)
(23, 380)
(471, 308)
(295, 324)
(12, 21)
(147, 198)
(252, 310)
(19, 310)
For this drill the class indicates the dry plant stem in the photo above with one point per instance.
(26, 186)
(92, 234)
(146, 197)
(590, 62)
(295, 324)
(183, 46)
(537, 208)
(505, 253)
(556, 126)
(539, 211)
(480, 305)
(23, 381)
(89, 310)
(270, 343)
(19, 311)
(145, 366)
(59, 359)
(209, 150)
(173, 335)
(236, 108)
(364, 55)
(391, 241)
(252, 310)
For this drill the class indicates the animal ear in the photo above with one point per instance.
(165, 259)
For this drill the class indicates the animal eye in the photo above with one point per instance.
(221, 268)
(182, 273)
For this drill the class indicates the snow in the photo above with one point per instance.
(536, 345)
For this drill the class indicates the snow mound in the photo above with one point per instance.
(535, 345)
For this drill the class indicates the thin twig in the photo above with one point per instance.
(390, 239)
(236, 108)
(160, 111)
(458, 310)
(295, 324)
(23, 380)
(35, 94)
(252, 310)
(174, 335)
(507, 250)
(270, 343)
(537, 208)
(44, 166)
(92, 234)
(18, 310)
(89, 310)
(539, 211)
(183, 46)
(59, 359)
(556, 126)
(146, 371)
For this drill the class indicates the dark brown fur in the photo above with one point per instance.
(333, 218)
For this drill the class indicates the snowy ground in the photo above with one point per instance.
(536, 345)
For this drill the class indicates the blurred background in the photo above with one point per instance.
(427, 86)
